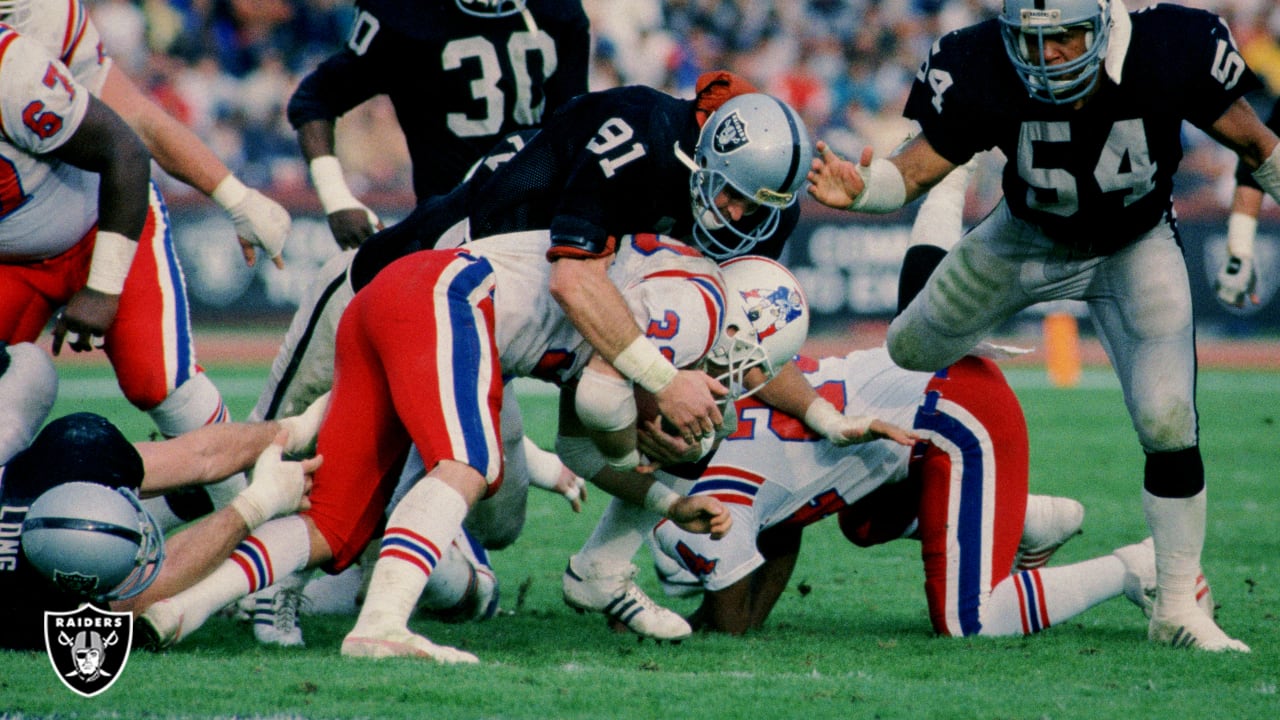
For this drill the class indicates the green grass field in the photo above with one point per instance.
(849, 639)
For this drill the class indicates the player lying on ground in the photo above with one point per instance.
(62, 567)
(963, 496)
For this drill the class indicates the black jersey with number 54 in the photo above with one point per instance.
(1097, 177)
(458, 83)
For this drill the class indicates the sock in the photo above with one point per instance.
(1032, 600)
(940, 220)
(274, 550)
(425, 521)
(1178, 529)
(615, 539)
(192, 405)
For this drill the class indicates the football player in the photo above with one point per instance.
(422, 355)
(963, 496)
(150, 346)
(461, 75)
(66, 30)
(86, 448)
(1087, 101)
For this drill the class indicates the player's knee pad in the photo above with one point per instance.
(1176, 474)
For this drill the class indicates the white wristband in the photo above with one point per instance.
(823, 417)
(660, 499)
(112, 256)
(230, 192)
(326, 175)
(644, 363)
(883, 189)
(1241, 229)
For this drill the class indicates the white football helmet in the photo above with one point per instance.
(758, 146)
(1024, 24)
(93, 540)
(491, 8)
(770, 318)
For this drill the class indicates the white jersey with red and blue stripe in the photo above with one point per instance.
(675, 293)
(46, 205)
(970, 480)
(66, 30)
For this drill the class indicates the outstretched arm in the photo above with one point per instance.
(876, 185)
(259, 221)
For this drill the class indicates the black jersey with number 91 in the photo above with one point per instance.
(1097, 177)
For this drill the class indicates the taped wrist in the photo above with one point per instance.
(604, 402)
(1241, 230)
(660, 499)
(331, 186)
(580, 455)
(1268, 174)
(883, 189)
(112, 257)
(644, 363)
(230, 192)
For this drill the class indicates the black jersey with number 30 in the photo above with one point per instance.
(1098, 177)
(458, 83)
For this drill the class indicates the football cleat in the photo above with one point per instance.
(618, 597)
(1050, 523)
(275, 613)
(402, 643)
(1140, 579)
(1190, 629)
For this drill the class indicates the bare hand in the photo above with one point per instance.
(689, 404)
(702, 514)
(663, 448)
(834, 181)
(353, 226)
(88, 315)
(572, 487)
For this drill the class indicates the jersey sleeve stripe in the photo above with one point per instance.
(77, 23)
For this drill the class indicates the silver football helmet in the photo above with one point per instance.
(758, 146)
(769, 316)
(1025, 24)
(93, 540)
(491, 8)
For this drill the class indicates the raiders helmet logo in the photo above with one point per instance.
(88, 647)
(731, 134)
(75, 583)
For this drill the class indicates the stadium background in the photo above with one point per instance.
(227, 67)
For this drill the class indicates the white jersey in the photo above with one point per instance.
(675, 294)
(774, 469)
(65, 29)
(46, 206)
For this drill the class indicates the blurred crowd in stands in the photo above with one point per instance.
(227, 68)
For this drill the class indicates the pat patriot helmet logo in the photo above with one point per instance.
(731, 134)
(771, 310)
(88, 647)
